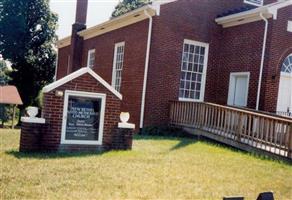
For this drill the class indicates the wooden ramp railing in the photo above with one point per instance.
(263, 132)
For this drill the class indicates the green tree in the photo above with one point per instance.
(27, 36)
(4, 73)
(5, 110)
(127, 6)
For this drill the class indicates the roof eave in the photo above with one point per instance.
(113, 24)
(244, 19)
(64, 42)
(268, 11)
(118, 22)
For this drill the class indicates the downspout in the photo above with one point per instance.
(146, 68)
(262, 60)
(56, 67)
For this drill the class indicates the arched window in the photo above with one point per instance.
(287, 65)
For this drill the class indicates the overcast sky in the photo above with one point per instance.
(98, 11)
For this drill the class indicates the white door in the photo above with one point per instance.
(238, 89)
(285, 94)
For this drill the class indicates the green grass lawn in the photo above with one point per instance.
(157, 168)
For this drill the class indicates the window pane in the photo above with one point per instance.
(198, 86)
(189, 74)
(196, 59)
(91, 58)
(183, 75)
(190, 68)
(192, 48)
(187, 94)
(184, 67)
(193, 86)
(188, 85)
(191, 58)
(199, 78)
(186, 48)
(185, 57)
(197, 50)
(201, 61)
(195, 68)
(192, 94)
(201, 67)
(202, 51)
(197, 96)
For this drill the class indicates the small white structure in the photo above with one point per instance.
(124, 117)
(32, 113)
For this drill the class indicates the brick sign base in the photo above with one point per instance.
(30, 138)
(49, 137)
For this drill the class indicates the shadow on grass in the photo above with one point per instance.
(49, 155)
(183, 141)
(192, 139)
(251, 154)
(155, 137)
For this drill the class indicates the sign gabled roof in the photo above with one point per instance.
(78, 73)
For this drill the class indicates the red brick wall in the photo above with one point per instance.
(62, 67)
(240, 51)
(30, 137)
(194, 20)
(280, 46)
(135, 38)
(53, 112)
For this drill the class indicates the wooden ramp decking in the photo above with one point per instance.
(245, 130)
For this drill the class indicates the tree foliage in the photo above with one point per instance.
(4, 73)
(5, 110)
(127, 6)
(27, 35)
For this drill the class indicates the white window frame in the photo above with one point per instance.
(253, 3)
(289, 26)
(90, 52)
(204, 74)
(101, 96)
(231, 89)
(114, 73)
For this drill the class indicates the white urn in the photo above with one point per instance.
(32, 111)
(124, 117)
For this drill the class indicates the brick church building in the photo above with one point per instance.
(231, 52)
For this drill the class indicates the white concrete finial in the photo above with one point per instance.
(32, 111)
(124, 117)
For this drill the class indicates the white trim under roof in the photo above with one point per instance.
(268, 11)
(78, 73)
(118, 22)
(254, 2)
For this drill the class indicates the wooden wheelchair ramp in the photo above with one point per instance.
(246, 130)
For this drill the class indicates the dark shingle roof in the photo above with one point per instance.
(237, 10)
